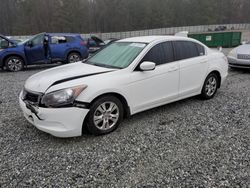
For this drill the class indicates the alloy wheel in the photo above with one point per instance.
(211, 86)
(74, 58)
(106, 116)
(15, 64)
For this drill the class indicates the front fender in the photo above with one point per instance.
(11, 53)
(88, 97)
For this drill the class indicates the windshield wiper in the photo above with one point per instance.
(101, 65)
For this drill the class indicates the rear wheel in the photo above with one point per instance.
(105, 115)
(14, 64)
(73, 57)
(210, 86)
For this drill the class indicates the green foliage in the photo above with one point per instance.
(24, 17)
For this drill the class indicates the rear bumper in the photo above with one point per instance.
(59, 122)
(238, 63)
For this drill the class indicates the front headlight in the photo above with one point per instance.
(62, 97)
(233, 53)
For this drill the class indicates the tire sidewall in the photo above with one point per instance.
(203, 93)
(71, 54)
(13, 57)
(90, 123)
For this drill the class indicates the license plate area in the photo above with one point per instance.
(244, 56)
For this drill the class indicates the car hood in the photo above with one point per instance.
(96, 39)
(40, 82)
(243, 49)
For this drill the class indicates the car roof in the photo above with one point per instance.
(150, 39)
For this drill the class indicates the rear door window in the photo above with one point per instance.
(70, 39)
(185, 50)
(58, 40)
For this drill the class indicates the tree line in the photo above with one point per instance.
(26, 17)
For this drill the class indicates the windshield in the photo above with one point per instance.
(32, 38)
(117, 55)
(24, 41)
(4, 43)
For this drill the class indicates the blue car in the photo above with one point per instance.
(42, 48)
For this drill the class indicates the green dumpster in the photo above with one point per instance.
(223, 39)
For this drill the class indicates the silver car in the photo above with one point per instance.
(240, 57)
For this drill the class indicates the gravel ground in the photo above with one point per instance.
(191, 143)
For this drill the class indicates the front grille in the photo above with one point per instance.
(244, 56)
(31, 97)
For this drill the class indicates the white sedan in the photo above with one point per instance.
(127, 77)
(240, 57)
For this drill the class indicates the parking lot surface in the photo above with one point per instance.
(188, 143)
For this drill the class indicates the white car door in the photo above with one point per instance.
(148, 89)
(193, 66)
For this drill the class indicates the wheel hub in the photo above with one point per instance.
(211, 86)
(106, 115)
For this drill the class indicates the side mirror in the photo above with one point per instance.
(147, 66)
(4, 44)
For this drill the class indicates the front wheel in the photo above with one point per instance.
(14, 64)
(74, 57)
(210, 86)
(105, 115)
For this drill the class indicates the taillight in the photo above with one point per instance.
(83, 43)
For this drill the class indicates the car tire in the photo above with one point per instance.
(105, 115)
(74, 57)
(210, 86)
(14, 64)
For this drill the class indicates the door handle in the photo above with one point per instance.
(203, 60)
(172, 69)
